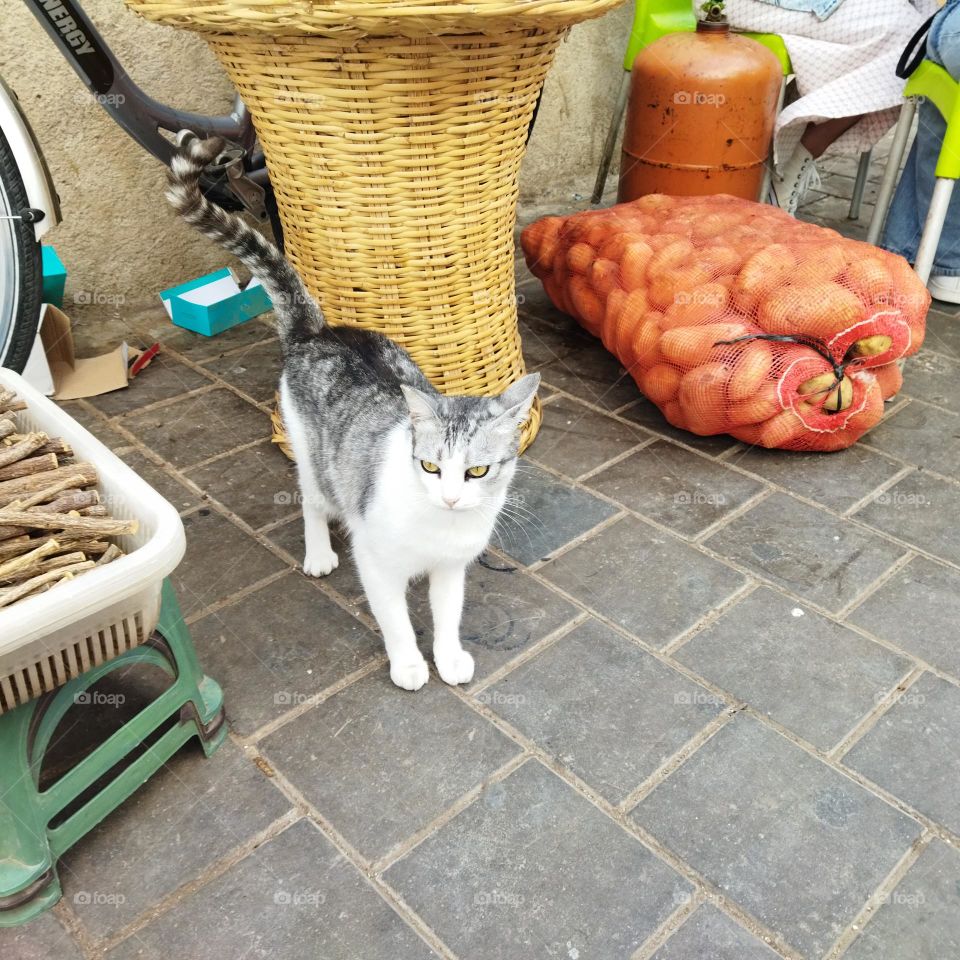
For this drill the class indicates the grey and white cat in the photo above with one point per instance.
(416, 478)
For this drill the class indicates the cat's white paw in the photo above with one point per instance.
(455, 666)
(320, 563)
(410, 676)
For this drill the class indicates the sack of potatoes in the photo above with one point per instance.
(733, 317)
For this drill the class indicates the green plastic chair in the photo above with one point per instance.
(933, 82)
(34, 833)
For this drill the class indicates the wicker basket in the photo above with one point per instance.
(394, 134)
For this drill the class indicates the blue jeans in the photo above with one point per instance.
(912, 199)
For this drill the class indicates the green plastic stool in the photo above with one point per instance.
(29, 846)
(653, 19)
(933, 82)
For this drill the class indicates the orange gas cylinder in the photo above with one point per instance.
(701, 114)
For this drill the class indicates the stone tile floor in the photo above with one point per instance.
(715, 715)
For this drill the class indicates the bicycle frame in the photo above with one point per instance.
(81, 45)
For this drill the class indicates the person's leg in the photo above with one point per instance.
(799, 171)
(911, 201)
(901, 233)
(818, 136)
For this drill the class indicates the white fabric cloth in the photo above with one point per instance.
(844, 65)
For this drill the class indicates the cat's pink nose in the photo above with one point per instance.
(451, 501)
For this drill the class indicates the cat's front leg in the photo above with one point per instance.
(319, 558)
(454, 664)
(386, 592)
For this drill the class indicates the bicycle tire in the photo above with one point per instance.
(15, 345)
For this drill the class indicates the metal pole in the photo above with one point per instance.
(892, 169)
(933, 227)
(863, 171)
(614, 129)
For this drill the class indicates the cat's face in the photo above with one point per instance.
(465, 448)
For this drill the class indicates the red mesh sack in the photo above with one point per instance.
(734, 317)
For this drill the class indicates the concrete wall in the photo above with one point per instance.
(118, 237)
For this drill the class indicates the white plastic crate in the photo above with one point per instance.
(47, 639)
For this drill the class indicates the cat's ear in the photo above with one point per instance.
(516, 401)
(421, 405)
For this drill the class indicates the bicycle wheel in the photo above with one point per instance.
(21, 273)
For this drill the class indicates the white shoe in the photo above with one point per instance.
(944, 288)
(799, 174)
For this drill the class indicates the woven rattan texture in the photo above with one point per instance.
(395, 164)
(346, 21)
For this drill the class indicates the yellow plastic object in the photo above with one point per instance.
(774, 43)
(653, 19)
(933, 82)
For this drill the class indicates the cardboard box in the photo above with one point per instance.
(214, 303)
(55, 370)
(54, 276)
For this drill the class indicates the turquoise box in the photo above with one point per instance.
(214, 303)
(54, 276)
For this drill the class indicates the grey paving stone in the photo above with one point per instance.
(504, 610)
(653, 585)
(608, 711)
(675, 487)
(919, 509)
(279, 646)
(187, 816)
(198, 427)
(918, 610)
(259, 484)
(942, 333)
(921, 434)
(798, 845)
(806, 672)
(921, 916)
(912, 751)
(503, 613)
(380, 763)
(844, 164)
(41, 939)
(220, 560)
(573, 439)
(534, 303)
(840, 185)
(932, 377)
(836, 209)
(294, 898)
(709, 934)
(547, 514)
(533, 869)
(105, 433)
(820, 558)
(165, 377)
(549, 338)
(181, 496)
(648, 415)
(154, 324)
(837, 480)
(592, 374)
(853, 229)
(345, 579)
(255, 369)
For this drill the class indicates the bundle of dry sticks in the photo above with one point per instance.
(53, 525)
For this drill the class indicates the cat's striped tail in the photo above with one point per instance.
(298, 315)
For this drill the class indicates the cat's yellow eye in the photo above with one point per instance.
(477, 472)
(429, 467)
